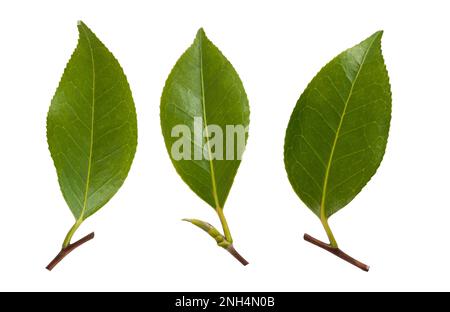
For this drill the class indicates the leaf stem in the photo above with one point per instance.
(235, 254)
(337, 252)
(223, 221)
(71, 232)
(330, 235)
(67, 250)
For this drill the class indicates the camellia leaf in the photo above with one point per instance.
(338, 131)
(91, 130)
(202, 100)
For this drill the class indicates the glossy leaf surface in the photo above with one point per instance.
(204, 85)
(91, 127)
(338, 131)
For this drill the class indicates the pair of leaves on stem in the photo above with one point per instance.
(337, 133)
(92, 128)
(203, 84)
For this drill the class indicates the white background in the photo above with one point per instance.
(398, 224)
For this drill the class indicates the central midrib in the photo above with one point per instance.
(92, 127)
(330, 159)
(211, 165)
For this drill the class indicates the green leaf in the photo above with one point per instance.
(203, 84)
(91, 127)
(203, 90)
(339, 128)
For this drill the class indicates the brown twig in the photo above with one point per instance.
(235, 254)
(337, 252)
(64, 252)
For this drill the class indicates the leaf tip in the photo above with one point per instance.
(201, 33)
(375, 37)
(80, 23)
(378, 34)
(81, 26)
